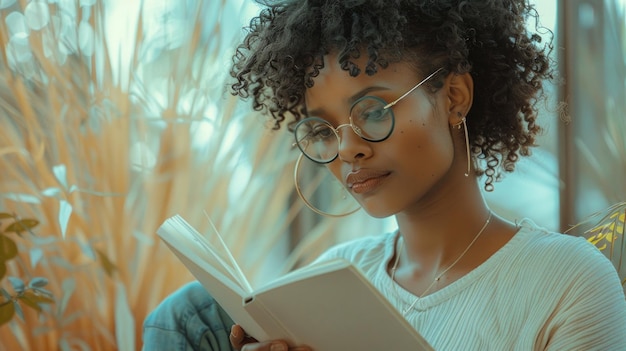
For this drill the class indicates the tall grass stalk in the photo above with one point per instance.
(102, 143)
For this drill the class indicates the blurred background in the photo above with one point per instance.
(115, 115)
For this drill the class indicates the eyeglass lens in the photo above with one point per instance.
(369, 119)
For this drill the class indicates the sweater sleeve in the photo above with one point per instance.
(592, 313)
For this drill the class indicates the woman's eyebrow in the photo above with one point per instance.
(364, 92)
(351, 100)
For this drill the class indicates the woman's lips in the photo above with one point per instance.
(364, 181)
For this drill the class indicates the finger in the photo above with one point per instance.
(273, 346)
(266, 346)
(238, 337)
(240, 340)
(276, 345)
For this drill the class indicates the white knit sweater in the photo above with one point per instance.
(541, 291)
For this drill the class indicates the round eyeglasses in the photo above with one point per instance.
(371, 118)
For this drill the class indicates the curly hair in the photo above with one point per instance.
(285, 45)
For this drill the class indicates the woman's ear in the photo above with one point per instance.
(460, 90)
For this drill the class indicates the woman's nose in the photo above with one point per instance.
(351, 145)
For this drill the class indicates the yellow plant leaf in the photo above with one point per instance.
(33, 300)
(7, 310)
(22, 225)
(30, 303)
(595, 239)
(596, 229)
(107, 265)
(4, 215)
(8, 248)
(621, 222)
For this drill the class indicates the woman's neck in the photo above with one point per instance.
(436, 230)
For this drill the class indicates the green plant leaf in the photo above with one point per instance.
(25, 198)
(7, 310)
(18, 284)
(8, 248)
(38, 298)
(107, 265)
(30, 302)
(51, 192)
(65, 211)
(36, 255)
(22, 225)
(33, 300)
(60, 172)
(67, 287)
(18, 309)
(38, 282)
(44, 292)
(6, 294)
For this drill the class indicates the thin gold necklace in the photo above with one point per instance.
(395, 265)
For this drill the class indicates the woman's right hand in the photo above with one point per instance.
(243, 342)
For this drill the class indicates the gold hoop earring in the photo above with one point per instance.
(296, 175)
(467, 146)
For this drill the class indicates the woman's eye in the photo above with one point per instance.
(321, 132)
(373, 115)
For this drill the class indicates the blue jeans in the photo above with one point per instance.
(189, 319)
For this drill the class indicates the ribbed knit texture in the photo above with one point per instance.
(541, 291)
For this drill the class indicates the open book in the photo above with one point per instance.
(329, 306)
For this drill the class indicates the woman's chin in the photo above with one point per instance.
(377, 211)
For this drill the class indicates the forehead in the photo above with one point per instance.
(334, 88)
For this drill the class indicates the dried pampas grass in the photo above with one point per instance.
(101, 142)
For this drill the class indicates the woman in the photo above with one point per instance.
(407, 103)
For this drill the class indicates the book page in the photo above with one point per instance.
(228, 255)
(179, 234)
(229, 296)
(305, 272)
(212, 265)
